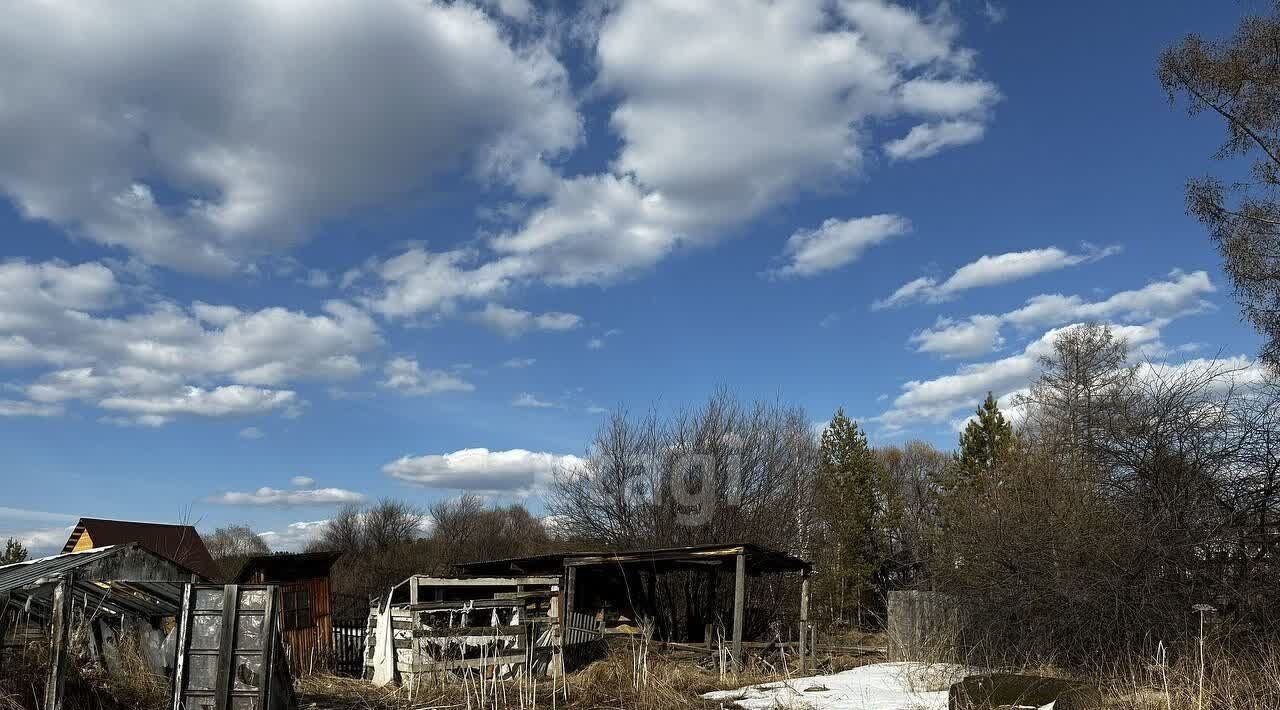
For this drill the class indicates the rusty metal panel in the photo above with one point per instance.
(310, 646)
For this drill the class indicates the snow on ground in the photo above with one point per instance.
(881, 686)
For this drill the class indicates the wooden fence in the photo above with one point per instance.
(348, 649)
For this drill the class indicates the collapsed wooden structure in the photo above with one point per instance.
(220, 645)
(547, 612)
(426, 626)
(105, 593)
(626, 580)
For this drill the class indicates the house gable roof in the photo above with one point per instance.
(179, 543)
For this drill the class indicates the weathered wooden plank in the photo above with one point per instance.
(682, 555)
(425, 581)
(490, 632)
(458, 606)
(180, 663)
(460, 663)
(60, 633)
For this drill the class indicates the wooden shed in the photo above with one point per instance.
(605, 583)
(305, 601)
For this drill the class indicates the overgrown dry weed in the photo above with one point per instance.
(612, 682)
(1247, 678)
(89, 686)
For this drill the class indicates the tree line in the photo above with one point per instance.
(1090, 517)
(1123, 494)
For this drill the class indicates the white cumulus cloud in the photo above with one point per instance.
(294, 536)
(837, 243)
(699, 126)
(1180, 294)
(529, 401)
(267, 496)
(482, 470)
(155, 358)
(941, 398)
(513, 322)
(405, 376)
(992, 270)
(284, 116)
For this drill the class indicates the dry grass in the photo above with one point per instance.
(327, 692)
(88, 684)
(615, 681)
(1236, 676)
(1245, 679)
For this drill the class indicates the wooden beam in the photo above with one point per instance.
(503, 603)
(4, 623)
(804, 621)
(226, 675)
(59, 635)
(413, 590)
(566, 594)
(180, 649)
(426, 581)
(655, 556)
(269, 633)
(739, 605)
(569, 590)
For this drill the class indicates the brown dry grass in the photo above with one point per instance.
(88, 684)
(1245, 679)
(669, 684)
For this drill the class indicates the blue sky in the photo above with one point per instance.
(261, 258)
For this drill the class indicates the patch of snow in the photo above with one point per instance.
(880, 686)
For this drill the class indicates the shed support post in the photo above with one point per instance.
(60, 633)
(570, 581)
(804, 620)
(739, 604)
(4, 623)
(413, 589)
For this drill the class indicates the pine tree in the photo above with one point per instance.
(14, 551)
(985, 442)
(854, 508)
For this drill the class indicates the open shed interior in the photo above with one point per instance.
(704, 594)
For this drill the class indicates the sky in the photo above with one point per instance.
(262, 259)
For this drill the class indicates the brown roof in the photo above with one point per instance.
(179, 543)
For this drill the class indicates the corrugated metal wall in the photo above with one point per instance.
(311, 649)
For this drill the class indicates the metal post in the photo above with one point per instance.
(804, 620)
(739, 603)
(60, 632)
